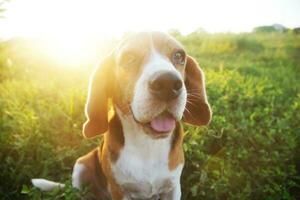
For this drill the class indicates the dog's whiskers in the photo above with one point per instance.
(194, 94)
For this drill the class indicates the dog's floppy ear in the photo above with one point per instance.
(197, 110)
(100, 90)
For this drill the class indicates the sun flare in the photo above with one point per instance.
(67, 30)
(71, 27)
(68, 49)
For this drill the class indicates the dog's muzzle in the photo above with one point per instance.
(165, 86)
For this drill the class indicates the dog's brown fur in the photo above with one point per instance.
(108, 82)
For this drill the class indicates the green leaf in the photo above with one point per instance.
(194, 190)
(25, 189)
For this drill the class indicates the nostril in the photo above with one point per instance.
(155, 85)
(177, 85)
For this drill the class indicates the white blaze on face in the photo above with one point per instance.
(145, 107)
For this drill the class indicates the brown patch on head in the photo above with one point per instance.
(176, 155)
(115, 78)
(133, 53)
(130, 55)
(168, 47)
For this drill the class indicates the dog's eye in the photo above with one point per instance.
(128, 59)
(179, 57)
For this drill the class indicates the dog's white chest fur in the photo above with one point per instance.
(142, 167)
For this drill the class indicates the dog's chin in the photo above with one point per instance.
(161, 126)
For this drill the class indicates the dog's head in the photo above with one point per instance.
(150, 77)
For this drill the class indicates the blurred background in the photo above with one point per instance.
(249, 51)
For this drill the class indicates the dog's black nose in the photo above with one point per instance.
(165, 86)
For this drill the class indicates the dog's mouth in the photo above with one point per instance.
(160, 126)
(163, 123)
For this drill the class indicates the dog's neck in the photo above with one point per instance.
(139, 141)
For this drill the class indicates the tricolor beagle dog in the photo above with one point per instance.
(153, 85)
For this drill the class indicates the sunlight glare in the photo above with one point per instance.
(73, 25)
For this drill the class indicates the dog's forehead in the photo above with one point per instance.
(144, 42)
(164, 42)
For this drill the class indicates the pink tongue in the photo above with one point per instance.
(163, 123)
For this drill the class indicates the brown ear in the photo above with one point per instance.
(197, 110)
(100, 89)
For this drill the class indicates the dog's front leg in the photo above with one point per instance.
(174, 194)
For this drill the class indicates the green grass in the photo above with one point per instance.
(249, 151)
